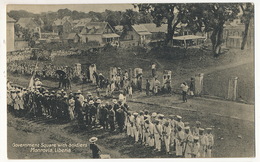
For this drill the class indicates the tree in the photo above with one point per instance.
(247, 16)
(112, 17)
(63, 12)
(144, 17)
(170, 13)
(212, 16)
(129, 18)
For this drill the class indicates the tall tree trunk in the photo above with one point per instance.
(170, 32)
(245, 35)
(217, 39)
(213, 40)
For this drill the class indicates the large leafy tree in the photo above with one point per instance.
(246, 18)
(212, 17)
(128, 18)
(170, 13)
(112, 17)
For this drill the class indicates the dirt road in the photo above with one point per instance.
(233, 125)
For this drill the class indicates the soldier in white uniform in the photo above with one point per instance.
(146, 132)
(157, 135)
(179, 122)
(196, 147)
(129, 124)
(179, 141)
(203, 140)
(167, 136)
(151, 134)
(188, 143)
(136, 126)
(146, 112)
(196, 128)
(210, 142)
(141, 131)
(153, 117)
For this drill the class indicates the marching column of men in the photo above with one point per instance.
(149, 129)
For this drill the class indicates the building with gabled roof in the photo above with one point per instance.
(31, 24)
(62, 26)
(151, 27)
(72, 38)
(101, 32)
(138, 35)
(67, 18)
(81, 24)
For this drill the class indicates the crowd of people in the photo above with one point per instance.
(18, 55)
(27, 54)
(149, 129)
(42, 70)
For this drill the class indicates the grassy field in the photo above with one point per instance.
(220, 79)
(183, 64)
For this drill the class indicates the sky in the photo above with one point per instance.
(78, 7)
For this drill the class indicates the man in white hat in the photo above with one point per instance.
(158, 135)
(196, 147)
(167, 136)
(153, 117)
(92, 113)
(196, 128)
(94, 148)
(188, 142)
(121, 97)
(151, 134)
(81, 97)
(129, 124)
(111, 118)
(136, 126)
(141, 131)
(203, 140)
(184, 88)
(210, 143)
(146, 132)
(38, 83)
(179, 141)
(179, 121)
(174, 131)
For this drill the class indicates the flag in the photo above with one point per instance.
(31, 84)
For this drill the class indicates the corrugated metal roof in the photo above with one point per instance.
(94, 28)
(188, 37)
(141, 29)
(112, 35)
(83, 22)
(151, 27)
(144, 33)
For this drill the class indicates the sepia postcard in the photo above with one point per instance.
(132, 80)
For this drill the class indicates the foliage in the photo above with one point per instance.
(247, 16)
(170, 13)
(128, 19)
(211, 17)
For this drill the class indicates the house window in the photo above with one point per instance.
(109, 40)
(132, 37)
(86, 39)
